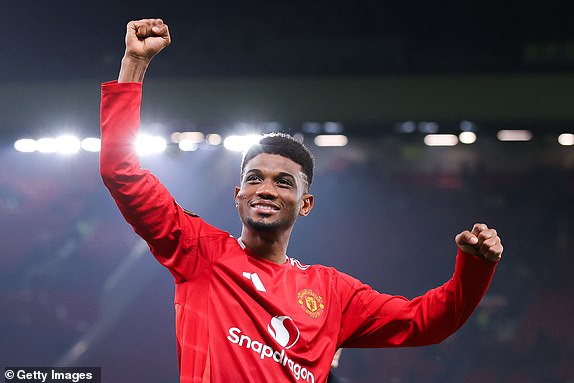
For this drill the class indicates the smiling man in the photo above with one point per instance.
(245, 311)
(273, 192)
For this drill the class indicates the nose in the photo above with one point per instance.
(266, 190)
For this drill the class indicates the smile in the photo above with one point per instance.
(265, 207)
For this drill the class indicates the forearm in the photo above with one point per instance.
(442, 311)
(120, 120)
(380, 320)
(142, 199)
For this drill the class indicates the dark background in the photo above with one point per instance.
(73, 40)
(78, 288)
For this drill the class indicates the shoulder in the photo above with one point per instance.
(309, 267)
(317, 269)
(200, 229)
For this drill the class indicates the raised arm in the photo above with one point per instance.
(142, 199)
(372, 319)
(144, 39)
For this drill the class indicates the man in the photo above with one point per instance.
(245, 311)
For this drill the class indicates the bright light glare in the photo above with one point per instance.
(566, 139)
(195, 137)
(213, 139)
(514, 135)
(146, 144)
(467, 137)
(331, 140)
(187, 145)
(240, 143)
(68, 144)
(26, 145)
(47, 145)
(91, 144)
(441, 140)
(188, 141)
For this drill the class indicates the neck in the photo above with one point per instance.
(269, 246)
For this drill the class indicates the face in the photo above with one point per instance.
(272, 193)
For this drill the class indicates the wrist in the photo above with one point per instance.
(133, 69)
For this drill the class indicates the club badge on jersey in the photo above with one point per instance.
(311, 303)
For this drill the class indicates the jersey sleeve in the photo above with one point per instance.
(372, 319)
(143, 201)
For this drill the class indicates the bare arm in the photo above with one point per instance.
(144, 39)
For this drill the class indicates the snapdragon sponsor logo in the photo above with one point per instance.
(284, 331)
(265, 351)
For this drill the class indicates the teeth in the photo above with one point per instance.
(264, 207)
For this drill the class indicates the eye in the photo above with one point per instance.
(284, 182)
(252, 178)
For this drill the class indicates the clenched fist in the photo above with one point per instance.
(481, 241)
(144, 39)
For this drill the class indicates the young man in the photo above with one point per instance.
(245, 311)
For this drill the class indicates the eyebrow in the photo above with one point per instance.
(285, 174)
(280, 174)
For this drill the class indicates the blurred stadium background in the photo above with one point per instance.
(443, 115)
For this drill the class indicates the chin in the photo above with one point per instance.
(263, 226)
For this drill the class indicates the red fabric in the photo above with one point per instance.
(241, 318)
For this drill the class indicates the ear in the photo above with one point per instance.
(237, 189)
(308, 201)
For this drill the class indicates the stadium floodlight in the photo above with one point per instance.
(240, 143)
(148, 144)
(26, 145)
(441, 140)
(514, 135)
(467, 137)
(187, 145)
(566, 139)
(331, 140)
(47, 145)
(213, 139)
(91, 144)
(192, 137)
(188, 141)
(67, 144)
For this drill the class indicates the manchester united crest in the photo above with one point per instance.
(311, 303)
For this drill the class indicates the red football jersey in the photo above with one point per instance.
(241, 318)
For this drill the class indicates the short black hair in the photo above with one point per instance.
(284, 145)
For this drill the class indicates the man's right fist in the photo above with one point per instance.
(146, 38)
